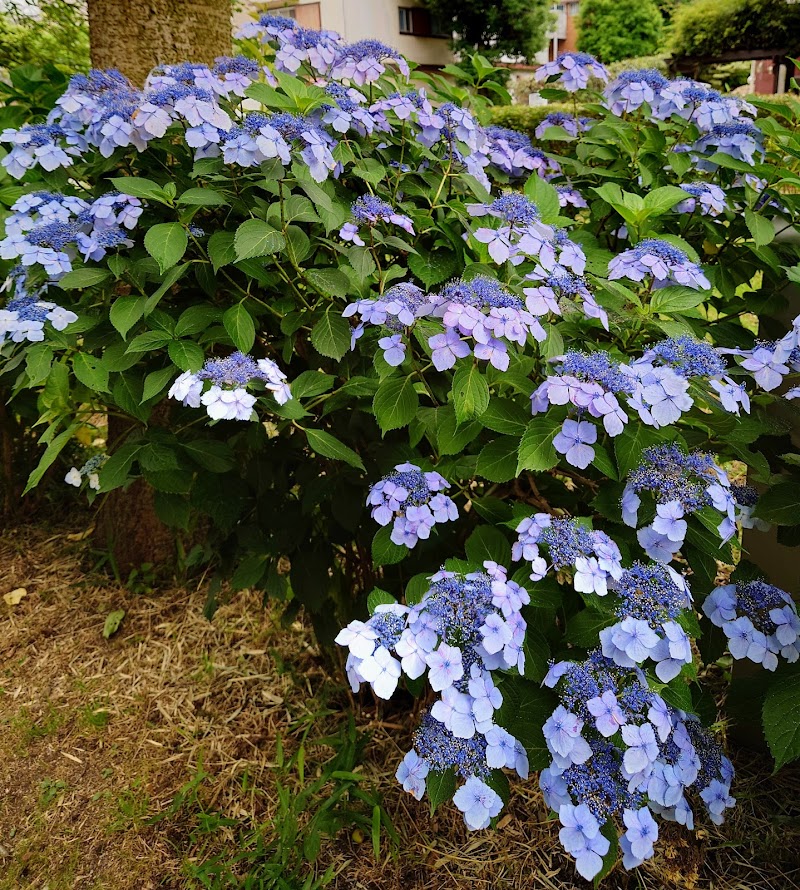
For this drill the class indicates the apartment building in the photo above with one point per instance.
(402, 24)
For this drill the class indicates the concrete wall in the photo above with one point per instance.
(361, 20)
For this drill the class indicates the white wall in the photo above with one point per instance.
(369, 19)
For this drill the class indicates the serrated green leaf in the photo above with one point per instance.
(489, 543)
(125, 312)
(536, 451)
(378, 597)
(255, 238)
(441, 787)
(470, 393)
(330, 336)
(780, 504)
(90, 371)
(82, 278)
(241, 328)
(166, 243)
(433, 267)
(113, 622)
(156, 381)
(395, 403)
(221, 249)
(384, 551)
(760, 228)
(186, 355)
(329, 446)
(202, 197)
(781, 716)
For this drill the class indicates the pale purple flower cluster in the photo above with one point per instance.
(651, 599)
(396, 310)
(759, 620)
(413, 502)
(705, 197)
(50, 230)
(348, 114)
(515, 155)
(572, 71)
(24, 318)
(681, 484)
(482, 311)
(769, 362)
(569, 196)
(594, 559)
(660, 261)
(464, 628)
(227, 397)
(558, 288)
(742, 140)
(368, 210)
(621, 754)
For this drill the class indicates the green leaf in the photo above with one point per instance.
(330, 336)
(417, 587)
(370, 170)
(760, 228)
(395, 403)
(677, 298)
(660, 200)
(441, 787)
(138, 187)
(249, 571)
(166, 243)
(331, 282)
(38, 361)
(609, 832)
(780, 504)
(173, 275)
(82, 278)
(52, 451)
(378, 597)
(497, 461)
(221, 249)
(185, 355)
(311, 383)
(114, 472)
(125, 312)
(362, 262)
(433, 267)
(214, 456)
(602, 460)
(506, 417)
(384, 551)
(781, 716)
(629, 445)
(239, 324)
(537, 655)
(329, 446)
(113, 622)
(255, 238)
(90, 371)
(172, 509)
(544, 196)
(583, 628)
(526, 706)
(536, 451)
(487, 542)
(202, 197)
(155, 382)
(470, 393)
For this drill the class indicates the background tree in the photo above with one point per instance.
(136, 35)
(495, 28)
(54, 32)
(619, 29)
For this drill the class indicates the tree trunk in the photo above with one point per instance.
(136, 35)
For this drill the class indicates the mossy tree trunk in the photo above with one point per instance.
(136, 35)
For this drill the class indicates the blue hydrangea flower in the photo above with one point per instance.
(759, 620)
(659, 260)
(572, 70)
(412, 501)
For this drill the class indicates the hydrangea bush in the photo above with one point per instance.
(384, 353)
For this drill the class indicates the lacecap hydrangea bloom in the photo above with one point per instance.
(89, 471)
(681, 484)
(660, 261)
(759, 620)
(463, 629)
(412, 501)
(621, 755)
(572, 71)
(227, 397)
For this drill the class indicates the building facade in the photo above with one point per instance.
(402, 24)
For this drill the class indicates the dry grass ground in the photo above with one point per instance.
(98, 736)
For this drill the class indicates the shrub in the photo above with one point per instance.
(711, 27)
(511, 355)
(619, 29)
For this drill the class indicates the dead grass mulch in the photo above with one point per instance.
(97, 736)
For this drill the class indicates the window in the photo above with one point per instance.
(420, 23)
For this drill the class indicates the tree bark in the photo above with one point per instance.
(136, 35)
